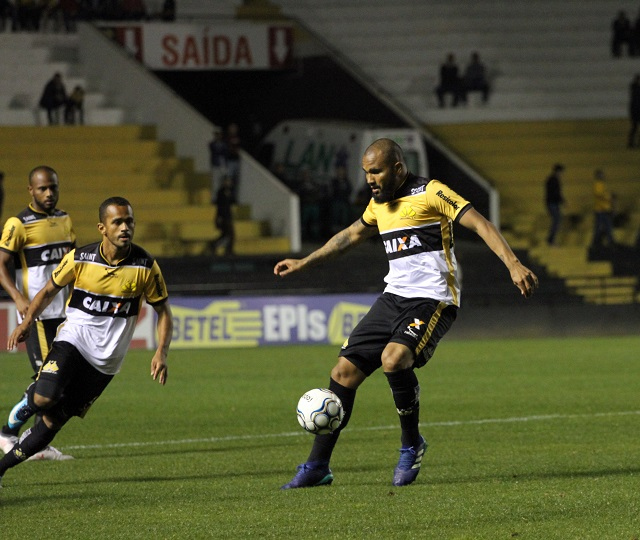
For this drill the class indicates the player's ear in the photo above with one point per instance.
(101, 227)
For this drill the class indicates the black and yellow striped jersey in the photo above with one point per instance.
(416, 228)
(105, 301)
(38, 242)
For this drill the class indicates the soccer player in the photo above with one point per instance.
(34, 242)
(109, 280)
(414, 217)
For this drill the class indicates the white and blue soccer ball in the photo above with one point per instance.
(320, 411)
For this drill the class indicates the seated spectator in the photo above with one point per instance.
(621, 34)
(475, 79)
(449, 81)
(75, 107)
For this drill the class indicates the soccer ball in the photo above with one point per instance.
(320, 411)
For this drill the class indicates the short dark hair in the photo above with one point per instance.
(111, 201)
(44, 168)
(558, 167)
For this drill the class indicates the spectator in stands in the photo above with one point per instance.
(311, 199)
(554, 201)
(475, 79)
(8, 13)
(603, 201)
(233, 143)
(168, 12)
(217, 161)
(621, 34)
(54, 96)
(449, 81)
(224, 218)
(634, 111)
(28, 13)
(340, 204)
(133, 10)
(74, 107)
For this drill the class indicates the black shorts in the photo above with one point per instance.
(418, 323)
(39, 341)
(70, 381)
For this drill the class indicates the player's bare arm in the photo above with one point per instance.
(8, 284)
(164, 326)
(335, 246)
(522, 277)
(39, 304)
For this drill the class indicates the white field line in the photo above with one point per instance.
(452, 423)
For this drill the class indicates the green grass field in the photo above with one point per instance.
(529, 439)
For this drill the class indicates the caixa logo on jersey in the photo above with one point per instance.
(399, 244)
(105, 306)
(54, 254)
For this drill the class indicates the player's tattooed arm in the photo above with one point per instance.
(335, 246)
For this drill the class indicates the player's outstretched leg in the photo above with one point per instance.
(315, 471)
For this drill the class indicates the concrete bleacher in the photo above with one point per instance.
(547, 59)
(96, 162)
(32, 59)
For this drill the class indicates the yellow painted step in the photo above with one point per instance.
(51, 151)
(38, 134)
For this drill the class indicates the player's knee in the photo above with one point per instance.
(396, 357)
(346, 374)
(42, 402)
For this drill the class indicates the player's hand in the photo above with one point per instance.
(287, 266)
(159, 370)
(17, 336)
(22, 306)
(524, 279)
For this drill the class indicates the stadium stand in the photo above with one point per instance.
(171, 198)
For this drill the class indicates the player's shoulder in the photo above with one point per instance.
(59, 213)
(140, 257)
(28, 215)
(88, 252)
(413, 185)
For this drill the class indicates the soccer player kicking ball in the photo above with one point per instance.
(414, 217)
(109, 281)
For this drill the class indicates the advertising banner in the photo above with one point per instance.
(270, 320)
(220, 46)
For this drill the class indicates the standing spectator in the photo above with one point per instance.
(554, 200)
(218, 161)
(603, 212)
(475, 79)
(75, 107)
(311, 199)
(53, 97)
(621, 34)
(233, 156)
(634, 110)
(168, 12)
(449, 81)
(8, 13)
(224, 218)
(340, 205)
